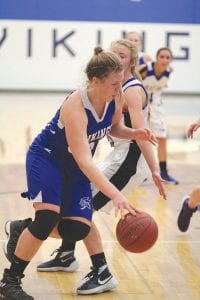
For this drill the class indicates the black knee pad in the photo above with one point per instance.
(45, 221)
(73, 230)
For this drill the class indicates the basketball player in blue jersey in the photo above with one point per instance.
(191, 203)
(60, 169)
(136, 39)
(123, 166)
(120, 168)
(155, 77)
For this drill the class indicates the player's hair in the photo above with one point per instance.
(132, 32)
(102, 64)
(134, 54)
(164, 49)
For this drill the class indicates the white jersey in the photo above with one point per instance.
(135, 82)
(117, 159)
(114, 141)
(155, 84)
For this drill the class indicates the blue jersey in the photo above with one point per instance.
(52, 142)
(141, 60)
(53, 176)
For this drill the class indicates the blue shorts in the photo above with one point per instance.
(48, 184)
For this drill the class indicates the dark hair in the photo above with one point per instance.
(164, 49)
(102, 64)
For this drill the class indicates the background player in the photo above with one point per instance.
(136, 39)
(155, 77)
(192, 201)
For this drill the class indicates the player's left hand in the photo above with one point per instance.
(159, 182)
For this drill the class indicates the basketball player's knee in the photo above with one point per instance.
(73, 230)
(45, 221)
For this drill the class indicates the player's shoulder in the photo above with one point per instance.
(72, 104)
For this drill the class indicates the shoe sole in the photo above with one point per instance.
(111, 284)
(7, 231)
(74, 266)
(7, 228)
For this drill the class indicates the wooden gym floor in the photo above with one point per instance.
(170, 270)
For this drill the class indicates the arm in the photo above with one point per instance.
(134, 97)
(76, 134)
(121, 131)
(192, 128)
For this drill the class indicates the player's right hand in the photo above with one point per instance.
(121, 204)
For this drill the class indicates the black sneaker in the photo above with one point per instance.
(185, 215)
(10, 287)
(99, 280)
(168, 179)
(13, 229)
(63, 261)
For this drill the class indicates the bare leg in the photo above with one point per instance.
(162, 149)
(194, 199)
(27, 246)
(100, 271)
(93, 242)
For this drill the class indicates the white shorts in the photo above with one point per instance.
(157, 119)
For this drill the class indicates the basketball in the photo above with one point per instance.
(137, 233)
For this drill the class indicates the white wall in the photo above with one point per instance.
(51, 55)
(23, 115)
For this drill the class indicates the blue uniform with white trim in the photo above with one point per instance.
(53, 175)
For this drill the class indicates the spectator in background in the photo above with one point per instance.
(155, 77)
(136, 39)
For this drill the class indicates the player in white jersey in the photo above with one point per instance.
(155, 77)
(121, 168)
(136, 39)
(191, 203)
(60, 169)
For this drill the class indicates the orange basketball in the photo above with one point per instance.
(137, 233)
